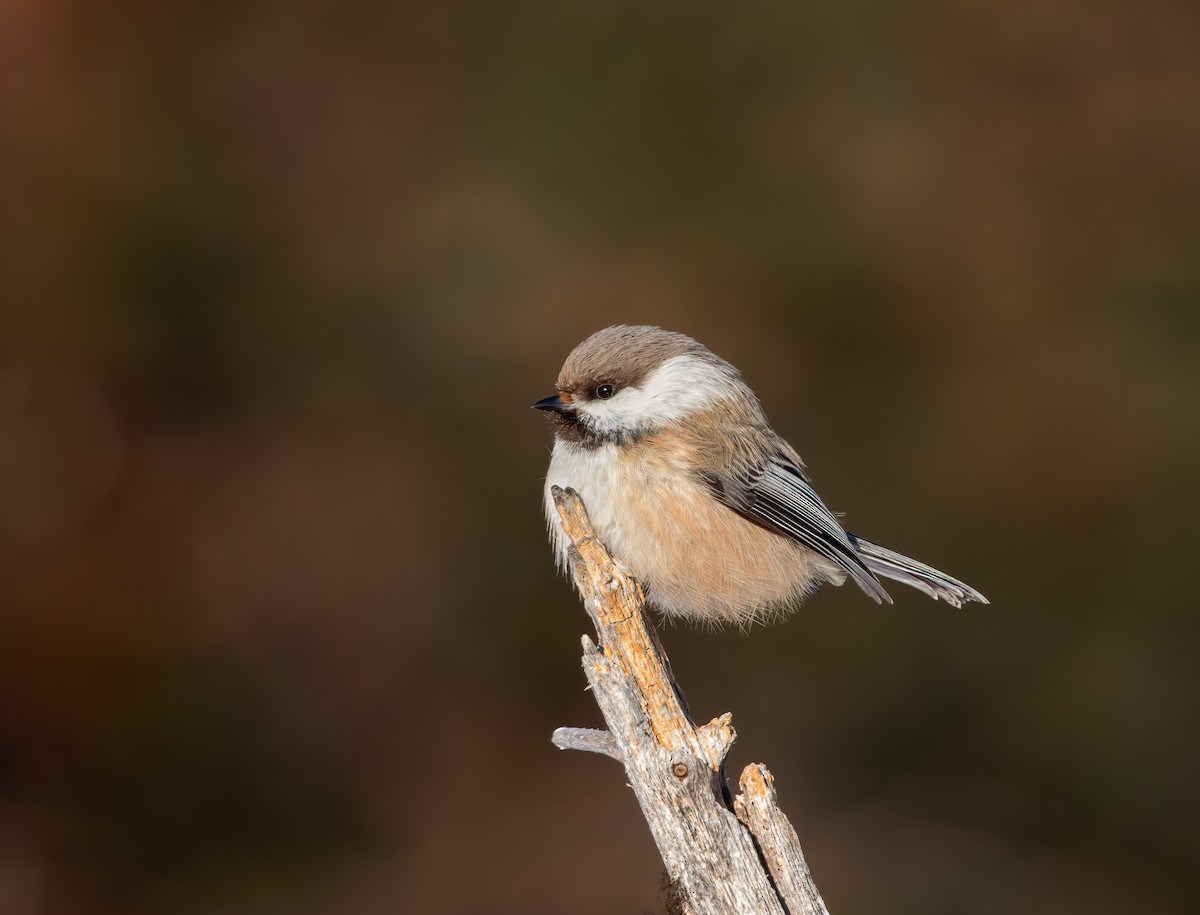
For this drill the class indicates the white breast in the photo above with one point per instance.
(594, 473)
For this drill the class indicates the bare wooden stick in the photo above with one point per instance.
(758, 807)
(590, 740)
(722, 860)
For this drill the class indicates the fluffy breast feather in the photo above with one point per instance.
(697, 558)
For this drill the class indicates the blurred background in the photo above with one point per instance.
(279, 630)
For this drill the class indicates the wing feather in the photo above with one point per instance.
(776, 494)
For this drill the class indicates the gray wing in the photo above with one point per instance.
(897, 566)
(775, 494)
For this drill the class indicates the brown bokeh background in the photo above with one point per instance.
(279, 632)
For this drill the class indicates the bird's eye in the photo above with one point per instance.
(605, 391)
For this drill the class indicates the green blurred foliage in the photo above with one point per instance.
(278, 627)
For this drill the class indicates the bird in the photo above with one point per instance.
(693, 491)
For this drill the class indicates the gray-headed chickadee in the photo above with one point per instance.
(691, 489)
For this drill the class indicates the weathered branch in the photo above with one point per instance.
(590, 740)
(723, 858)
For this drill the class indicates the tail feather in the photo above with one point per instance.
(901, 568)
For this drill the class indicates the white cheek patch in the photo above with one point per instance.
(678, 387)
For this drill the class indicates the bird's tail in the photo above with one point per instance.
(890, 564)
